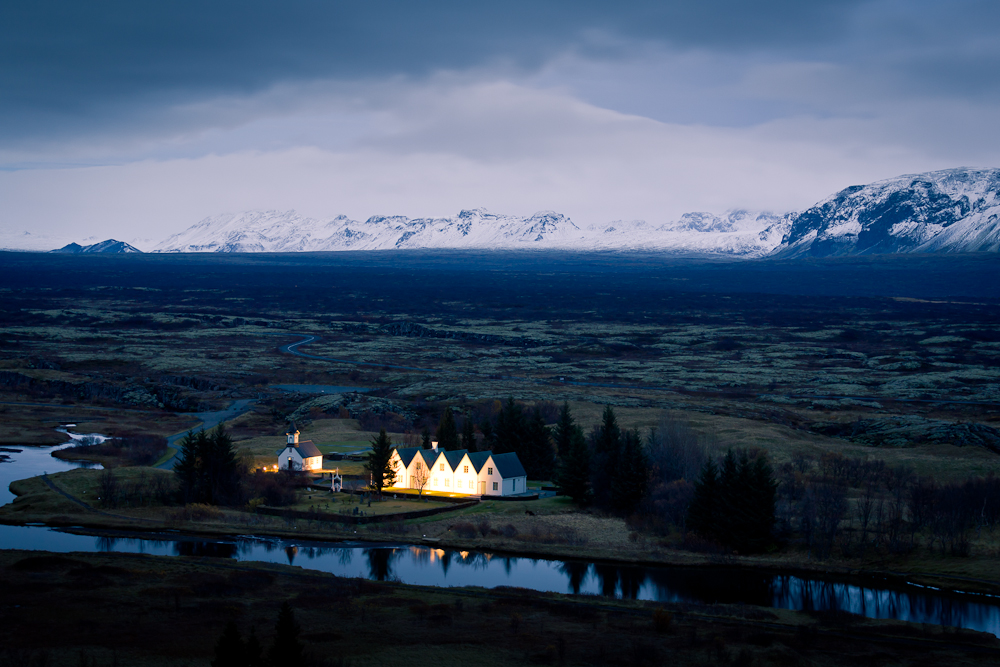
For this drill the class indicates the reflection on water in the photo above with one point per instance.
(444, 567)
(33, 461)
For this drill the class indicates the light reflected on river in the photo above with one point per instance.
(430, 566)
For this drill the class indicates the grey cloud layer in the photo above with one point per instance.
(69, 65)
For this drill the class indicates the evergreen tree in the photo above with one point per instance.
(510, 428)
(188, 465)
(447, 431)
(564, 431)
(536, 451)
(254, 651)
(489, 435)
(230, 651)
(468, 434)
(573, 475)
(630, 481)
(609, 436)
(735, 503)
(287, 649)
(606, 441)
(379, 462)
(221, 469)
(425, 438)
(702, 512)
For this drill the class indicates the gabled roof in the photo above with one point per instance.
(479, 459)
(430, 456)
(455, 457)
(406, 454)
(508, 465)
(305, 448)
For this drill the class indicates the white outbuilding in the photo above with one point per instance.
(459, 471)
(298, 455)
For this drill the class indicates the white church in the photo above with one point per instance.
(298, 455)
(459, 471)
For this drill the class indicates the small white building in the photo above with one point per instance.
(459, 471)
(297, 455)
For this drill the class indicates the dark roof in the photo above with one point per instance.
(479, 459)
(455, 457)
(430, 456)
(291, 428)
(508, 465)
(406, 454)
(306, 449)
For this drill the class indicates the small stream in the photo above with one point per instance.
(428, 566)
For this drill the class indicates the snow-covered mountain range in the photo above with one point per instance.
(736, 232)
(955, 210)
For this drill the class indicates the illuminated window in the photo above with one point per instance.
(494, 486)
(435, 481)
(447, 482)
(489, 471)
(441, 467)
(466, 469)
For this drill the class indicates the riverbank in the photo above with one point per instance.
(554, 531)
(345, 620)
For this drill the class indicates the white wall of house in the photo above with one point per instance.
(463, 479)
(292, 453)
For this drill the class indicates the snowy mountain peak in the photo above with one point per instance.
(954, 210)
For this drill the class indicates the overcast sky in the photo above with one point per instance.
(136, 120)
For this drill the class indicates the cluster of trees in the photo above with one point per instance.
(512, 429)
(734, 503)
(287, 651)
(667, 481)
(859, 507)
(208, 469)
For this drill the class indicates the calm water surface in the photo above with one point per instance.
(428, 566)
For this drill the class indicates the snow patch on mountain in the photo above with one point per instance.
(736, 232)
(953, 210)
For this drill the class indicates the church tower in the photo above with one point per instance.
(293, 436)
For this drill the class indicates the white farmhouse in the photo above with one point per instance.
(299, 455)
(459, 471)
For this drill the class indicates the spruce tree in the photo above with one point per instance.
(563, 432)
(468, 434)
(630, 481)
(536, 452)
(379, 462)
(187, 466)
(230, 651)
(221, 468)
(425, 438)
(254, 650)
(573, 475)
(702, 512)
(287, 649)
(447, 431)
(606, 457)
(510, 427)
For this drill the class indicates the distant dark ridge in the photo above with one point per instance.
(109, 247)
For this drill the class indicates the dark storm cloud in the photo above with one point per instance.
(69, 63)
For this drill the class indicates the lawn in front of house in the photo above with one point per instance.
(335, 503)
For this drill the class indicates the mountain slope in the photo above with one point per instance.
(954, 210)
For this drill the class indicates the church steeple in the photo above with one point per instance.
(293, 436)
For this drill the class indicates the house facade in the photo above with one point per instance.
(298, 455)
(459, 471)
